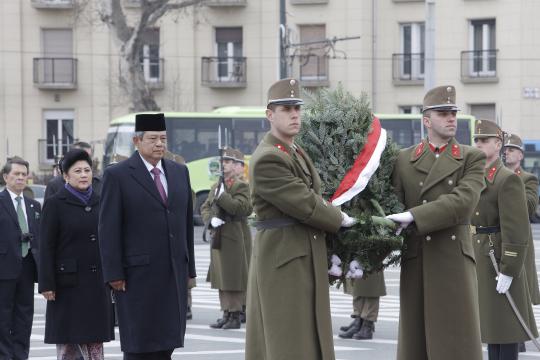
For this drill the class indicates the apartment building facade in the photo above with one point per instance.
(59, 64)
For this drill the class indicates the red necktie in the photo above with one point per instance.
(159, 185)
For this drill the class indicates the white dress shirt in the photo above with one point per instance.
(162, 173)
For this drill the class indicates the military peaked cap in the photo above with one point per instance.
(441, 98)
(487, 128)
(150, 122)
(285, 92)
(514, 141)
(239, 156)
(229, 154)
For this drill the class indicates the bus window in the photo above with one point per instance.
(248, 133)
(400, 131)
(119, 142)
(463, 133)
(196, 138)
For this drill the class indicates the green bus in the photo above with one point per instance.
(194, 135)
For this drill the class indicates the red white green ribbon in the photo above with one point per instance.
(364, 166)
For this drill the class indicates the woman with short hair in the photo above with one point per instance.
(79, 311)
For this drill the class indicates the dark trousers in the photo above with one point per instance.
(157, 355)
(17, 312)
(503, 351)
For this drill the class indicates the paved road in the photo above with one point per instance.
(203, 343)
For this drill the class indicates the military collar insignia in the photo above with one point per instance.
(456, 151)
(282, 148)
(518, 171)
(418, 151)
(229, 182)
(491, 173)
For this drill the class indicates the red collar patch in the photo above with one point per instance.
(419, 150)
(491, 173)
(456, 151)
(229, 183)
(282, 148)
(437, 150)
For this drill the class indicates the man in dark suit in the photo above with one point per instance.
(146, 239)
(19, 226)
(57, 183)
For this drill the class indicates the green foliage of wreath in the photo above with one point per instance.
(335, 126)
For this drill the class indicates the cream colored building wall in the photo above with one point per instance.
(518, 59)
(188, 37)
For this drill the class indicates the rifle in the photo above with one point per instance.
(215, 234)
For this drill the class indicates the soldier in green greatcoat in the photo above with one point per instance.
(366, 293)
(225, 211)
(439, 181)
(500, 224)
(288, 303)
(513, 150)
(239, 169)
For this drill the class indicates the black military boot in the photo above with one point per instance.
(366, 331)
(353, 329)
(243, 314)
(189, 314)
(347, 327)
(220, 322)
(233, 322)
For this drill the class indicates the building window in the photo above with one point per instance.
(59, 132)
(483, 45)
(56, 66)
(483, 111)
(229, 49)
(149, 56)
(313, 60)
(410, 109)
(412, 49)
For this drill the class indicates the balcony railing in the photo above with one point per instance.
(153, 72)
(313, 70)
(52, 4)
(408, 68)
(217, 3)
(479, 66)
(55, 73)
(302, 2)
(220, 72)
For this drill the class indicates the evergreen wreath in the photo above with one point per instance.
(335, 126)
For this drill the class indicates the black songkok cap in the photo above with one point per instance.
(150, 122)
(72, 156)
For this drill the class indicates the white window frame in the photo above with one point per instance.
(232, 73)
(486, 36)
(58, 116)
(416, 48)
(147, 64)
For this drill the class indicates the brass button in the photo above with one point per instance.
(453, 237)
(477, 213)
(315, 236)
(424, 201)
(421, 183)
(450, 182)
(428, 238)
(478, 241)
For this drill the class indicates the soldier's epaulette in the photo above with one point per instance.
(282, 148)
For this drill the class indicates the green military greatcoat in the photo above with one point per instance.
(438, 287)
(368, 286)
(288, 301)
(531, 192)
(502, 204)
(228, 269)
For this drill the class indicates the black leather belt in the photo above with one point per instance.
(274, 223)
(485, 229)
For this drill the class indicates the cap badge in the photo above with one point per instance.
(292, 82)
